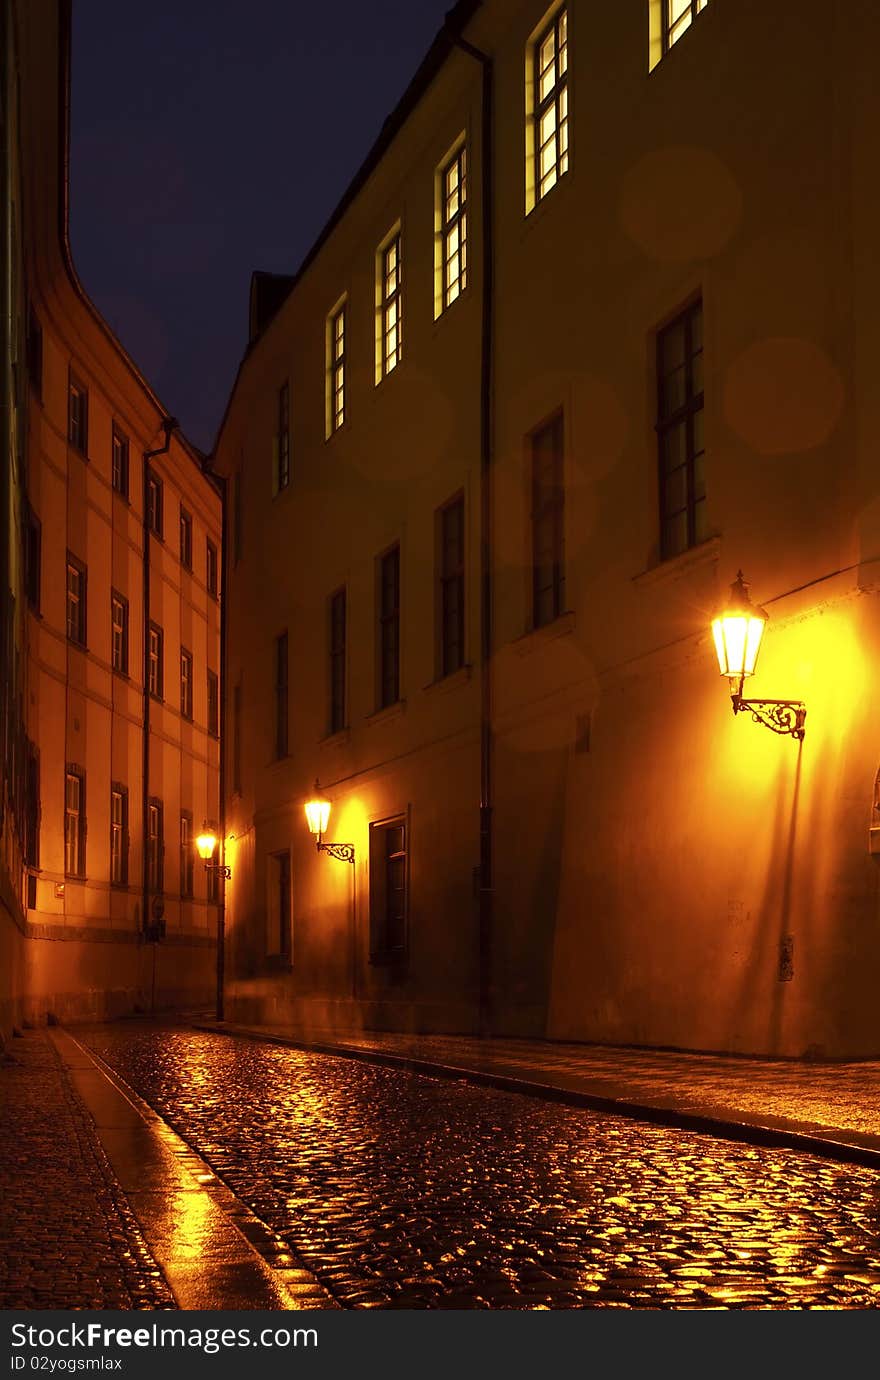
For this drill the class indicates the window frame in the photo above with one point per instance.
(78, 870)
(186, 538)
(694, 9)
(79, 637)
(119, 831)
(119, 474)
(388, 630)
(557, 96)
(119, 664)
(212, 681)
(388, 300)
(685, 414)
(212, 569)
(156, 506)
(381, 920)
(186, 684)
(335, 347)
(154, 852)
(187, 860)
(77, 417)
(450, 222)
(548, 507)
(157, 689)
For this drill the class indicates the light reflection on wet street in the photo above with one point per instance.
(400, 1190)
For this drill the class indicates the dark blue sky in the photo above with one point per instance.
(209, 138)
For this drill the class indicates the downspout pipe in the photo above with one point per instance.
(168, 424)
(487, 362)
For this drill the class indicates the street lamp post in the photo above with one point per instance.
(317, 815)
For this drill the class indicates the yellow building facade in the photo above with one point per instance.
(592, 330)
(122, 556)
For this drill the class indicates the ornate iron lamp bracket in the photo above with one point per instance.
(219, 867)
(343, 852)
(780, 716)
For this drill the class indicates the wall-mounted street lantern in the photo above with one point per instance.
(738, 628)
(317, 814)
(206, 843)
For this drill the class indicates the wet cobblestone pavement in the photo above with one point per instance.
(400, 1190)
(68, 1238)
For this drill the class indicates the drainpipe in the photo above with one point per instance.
(487, 895)
(168, 425)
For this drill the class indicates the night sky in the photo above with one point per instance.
(210, 138)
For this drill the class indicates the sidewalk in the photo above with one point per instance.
(830, 1109)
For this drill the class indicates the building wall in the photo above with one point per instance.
(664, 873)
(88, 952)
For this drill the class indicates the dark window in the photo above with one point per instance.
(391, 307)
(548, 524)
(680, 433)
(279, 937)
(77, 583)
(213, 704)
(32, 808)
(120, 461)
(282, 440)
(337, 369)
(119, 626)
(155, 662)
(337, 660)
(453, 210)
(32, 558)
(155, 846)
(551, 104)
(678, 15)
(388, 899)
(186, 853)
(118, 834)
(154, 505)
(236, 738)
(211, 569)
(186, 539)
(281, 696)
(75, 823)
(451, 592)
(78, 415)
(186, 683)
(35, 353)
(389, 627)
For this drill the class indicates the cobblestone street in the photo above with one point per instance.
(68, 1238)
(400, 1190)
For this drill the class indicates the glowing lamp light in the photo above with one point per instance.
(317, 814)
(206, 843)
(737, 630)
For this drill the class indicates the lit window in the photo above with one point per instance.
(118, 835)
(154, 504)
(450, 566)
(548, 524)
(389, 628)
(282, 440)
(211, 569)
(74, 823)
(76, 601)
(186, 854)
(453, 219)
(337, 661)
(186, 539)
(213, 704)
(120, 462)
(550, 104)
(156, 666)
(388, 891)
(390, 302)
(186, 683)
(680, 433)
(78, 415)
(155, 847)
(336, 369)
(678, 15)
(119, 626)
